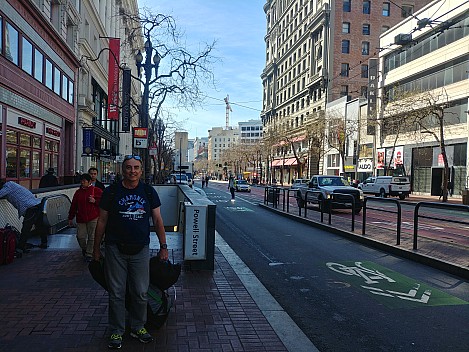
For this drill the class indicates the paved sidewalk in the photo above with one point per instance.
(49, 302)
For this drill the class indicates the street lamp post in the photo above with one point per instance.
(148, 66)
(160, 127)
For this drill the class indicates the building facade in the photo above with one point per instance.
(317, 52)
(250, 131)
(426, 59)
(38, 82)
(102, 139)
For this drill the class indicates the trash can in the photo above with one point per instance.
(273, 195)
(465, 196)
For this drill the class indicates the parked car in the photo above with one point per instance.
(384, 186)
(242, 186)
(325, 188)
(300, 182)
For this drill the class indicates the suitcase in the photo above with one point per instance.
(8, 241)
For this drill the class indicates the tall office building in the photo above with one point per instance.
(316, 52)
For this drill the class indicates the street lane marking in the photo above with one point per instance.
(391, 288)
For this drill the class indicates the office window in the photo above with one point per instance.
(366, 7)
(345, 46)
(70, 92)
(11, 44)
(406, 10)
(364, 71)
(56, 80)
(366, 29)
(344, 70)
(364, 91)
(38, 64)
(386, 9)
(64, 87)
(48, 78)
(365, 48)
(27, 57)
(345, 27)
(1, 34)
(343, 90)
(347, 5)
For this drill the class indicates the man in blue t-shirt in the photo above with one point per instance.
(125, 211)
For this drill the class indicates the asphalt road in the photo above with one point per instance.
(343, 295)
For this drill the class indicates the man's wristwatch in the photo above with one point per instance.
(163, 246)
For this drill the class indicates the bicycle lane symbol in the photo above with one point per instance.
(391, 288)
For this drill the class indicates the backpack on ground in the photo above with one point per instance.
(8, 240)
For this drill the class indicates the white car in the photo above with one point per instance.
(242, 186)
(384, 186)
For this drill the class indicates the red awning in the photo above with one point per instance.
(276, 163)
(290, 161)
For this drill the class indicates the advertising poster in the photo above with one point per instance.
(398, 157)
(381, 159)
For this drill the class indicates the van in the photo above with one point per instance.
(384, 186)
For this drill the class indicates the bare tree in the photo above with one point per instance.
(429, 113)
(341, 131)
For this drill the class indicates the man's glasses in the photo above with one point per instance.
(136, 157)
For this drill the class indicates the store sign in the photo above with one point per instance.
(140, 136)
(372, 94)
(365, 165)
(26, 122)
(53, 132)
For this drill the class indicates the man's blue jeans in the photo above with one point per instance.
(120, 269)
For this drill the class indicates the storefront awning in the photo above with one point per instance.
(290, 161)
(276, 163)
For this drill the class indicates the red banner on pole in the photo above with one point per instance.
(113, 80)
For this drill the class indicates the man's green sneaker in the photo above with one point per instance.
(115, 342)
(142, 335)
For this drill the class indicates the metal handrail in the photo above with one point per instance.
(457, 207)
(398, 212)
(332, 201)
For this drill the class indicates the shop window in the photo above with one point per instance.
(12, 137)
(25, 140)
(36, 164)
(11, 43)
(11, 169)
(25, 163)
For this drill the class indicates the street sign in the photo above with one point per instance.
(153, 151)
(140, 135)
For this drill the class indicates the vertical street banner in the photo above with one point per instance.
(88, 141)
(372, 92)
(126, 80)
(113, 79)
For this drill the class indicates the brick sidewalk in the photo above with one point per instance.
(49, 302)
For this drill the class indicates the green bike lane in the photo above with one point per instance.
(343, 295)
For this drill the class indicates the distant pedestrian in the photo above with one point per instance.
(203, 181)
(450, 188)
(231, 187)
(76, 178)
(206, 180)
(93, 172)
(85, 207)
(29, 207)
(49, 180)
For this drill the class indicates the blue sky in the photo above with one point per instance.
(239, 28)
